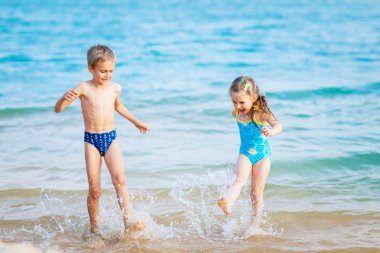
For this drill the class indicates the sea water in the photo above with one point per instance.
(318, 63)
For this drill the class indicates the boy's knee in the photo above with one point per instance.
(118, 182)
(94, 193)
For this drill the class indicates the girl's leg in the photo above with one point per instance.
(260, 174)
(243, 169)
(115, 165)
(93, 165)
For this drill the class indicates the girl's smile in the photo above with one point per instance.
(242, 102)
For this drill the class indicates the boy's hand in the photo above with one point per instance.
(70, 96)
(143, 127)
(266, 132)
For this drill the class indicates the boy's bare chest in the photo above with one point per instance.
(100, 99)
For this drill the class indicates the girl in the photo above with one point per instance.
(256, 123)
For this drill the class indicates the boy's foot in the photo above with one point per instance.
(96, 232)
(136, 227)
(95, 235)
(223, 204)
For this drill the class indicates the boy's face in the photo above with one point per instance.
(102, 72)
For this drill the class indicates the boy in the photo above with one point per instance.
(100, 98)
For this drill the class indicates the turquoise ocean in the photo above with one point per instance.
(317, 61)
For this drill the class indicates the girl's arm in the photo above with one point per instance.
(68, 98)
(274, 123)
(123, 111)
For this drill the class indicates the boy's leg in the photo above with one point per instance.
(260, 174)
(243, 169)
(93, 165)
(114, 161)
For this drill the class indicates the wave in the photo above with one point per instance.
(358, 162)
(19, 111)
(183, 99)
(327, 92)
(190, 99)
(16, 58)
(355, 162)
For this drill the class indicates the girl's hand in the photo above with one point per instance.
(266, 132)
(143, 127)
(70, 96)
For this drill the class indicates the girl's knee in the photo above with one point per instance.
(257, 195)
(240, 181)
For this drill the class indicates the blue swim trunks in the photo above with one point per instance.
(101, 141)
(254, 145)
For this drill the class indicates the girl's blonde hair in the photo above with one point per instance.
(99, 53)
(249, 86)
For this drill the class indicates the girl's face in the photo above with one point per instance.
(102, 72)
(242, 102)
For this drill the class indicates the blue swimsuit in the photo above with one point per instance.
(101, 141)
(254, 144)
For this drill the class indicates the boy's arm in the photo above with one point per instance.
(68, 98)
(123, 111)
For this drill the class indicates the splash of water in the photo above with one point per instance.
(194, 214)
(198, 195)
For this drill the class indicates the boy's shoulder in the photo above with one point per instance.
(88, 84)
(116, 86)
(82, 87)
(83, 84)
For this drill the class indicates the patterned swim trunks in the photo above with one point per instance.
(101, 141)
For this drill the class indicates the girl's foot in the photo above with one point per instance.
(136, 227)
(223, 204)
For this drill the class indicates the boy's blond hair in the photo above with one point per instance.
(99, 53)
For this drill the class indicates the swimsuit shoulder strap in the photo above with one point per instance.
(236, 115)
(257, 121)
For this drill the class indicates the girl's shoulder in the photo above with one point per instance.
(234, 113)
(261, 117)
(267, 118)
